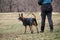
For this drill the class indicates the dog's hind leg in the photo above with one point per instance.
(35, 22)
(37, 29)
(31, 29)
(36, 26)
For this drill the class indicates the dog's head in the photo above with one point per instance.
(20, 17)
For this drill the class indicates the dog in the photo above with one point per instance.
(28, 22)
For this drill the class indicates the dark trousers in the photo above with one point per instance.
(46, 10)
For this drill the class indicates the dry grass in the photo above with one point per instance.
(11, 28)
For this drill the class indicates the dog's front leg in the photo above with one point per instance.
(25, 29)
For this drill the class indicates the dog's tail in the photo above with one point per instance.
(35, 19)
(34, 15)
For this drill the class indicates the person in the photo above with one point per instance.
(46, 10)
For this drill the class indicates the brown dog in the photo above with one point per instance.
(28, 22)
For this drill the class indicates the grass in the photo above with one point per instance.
(13, 30)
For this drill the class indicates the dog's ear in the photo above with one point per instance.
(19, 15)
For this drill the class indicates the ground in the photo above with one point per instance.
(12, 29)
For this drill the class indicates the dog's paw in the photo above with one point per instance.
(38, 32)
(24, 32)
(31, 32)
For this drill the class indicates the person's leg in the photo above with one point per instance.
(49, 16)
(43, 17)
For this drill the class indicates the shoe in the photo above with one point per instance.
(51, 30)
(41, 31)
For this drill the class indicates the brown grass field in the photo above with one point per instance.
(12, 29)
